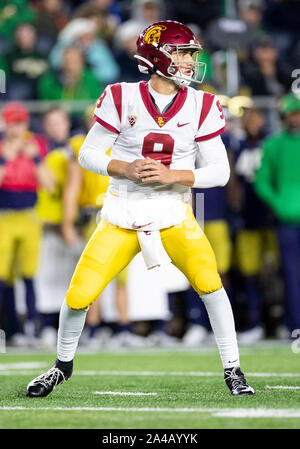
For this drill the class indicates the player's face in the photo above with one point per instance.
(184, 59)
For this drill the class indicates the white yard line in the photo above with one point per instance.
(21, 365)
(148, 373)
(117, 409)
(258, 413)
(222, 413)
(124, 393)
(281, 387)
(273, 374)
(152, 373)
(177, 373)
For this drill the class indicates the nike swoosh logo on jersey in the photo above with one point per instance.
(135, 226)
(182, 124)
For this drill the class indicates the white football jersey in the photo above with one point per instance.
(171, 137)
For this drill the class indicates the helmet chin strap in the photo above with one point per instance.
(180, 81)
(144, 69)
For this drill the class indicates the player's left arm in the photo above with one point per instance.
(214, 170)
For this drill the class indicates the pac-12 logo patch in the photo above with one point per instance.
(132, 120)
(153, 35)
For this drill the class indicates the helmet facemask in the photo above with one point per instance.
(198, 68)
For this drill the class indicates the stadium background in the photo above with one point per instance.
(59, 56)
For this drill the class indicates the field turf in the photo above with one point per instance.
(187, 390)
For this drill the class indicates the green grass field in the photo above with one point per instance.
(188, 391)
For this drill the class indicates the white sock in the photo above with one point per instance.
(222, 322)
(71, 323)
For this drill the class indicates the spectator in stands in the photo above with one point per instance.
(14, 13)
(21, 171)
(263, 73)
(105, 25)
(125, 48)
(202, 12)
(82, 33)
(57, 126)
(142, 14)
(278, 184)
(235, 32)
(281, 19)
(51, 17)
(73, 82)
(57, 260)
(113, 8)
(25, 64)
(256, 248)
(146, 12)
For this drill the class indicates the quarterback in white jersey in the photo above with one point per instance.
(143, 131)
(157, 130)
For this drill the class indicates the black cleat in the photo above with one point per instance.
(42, 385)
(236, 382)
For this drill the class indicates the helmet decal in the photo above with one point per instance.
(153, 35)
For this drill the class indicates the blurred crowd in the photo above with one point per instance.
(57, 57)
(67, 50)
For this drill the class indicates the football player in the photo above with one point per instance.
(22, 171)
(277, 184)
(155, 129)
(256, 246)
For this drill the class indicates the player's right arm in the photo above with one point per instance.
(93, 157)
(103, 135)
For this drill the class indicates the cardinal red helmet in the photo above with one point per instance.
(156, 45)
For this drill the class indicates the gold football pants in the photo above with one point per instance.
(110, 249)
(20, 235)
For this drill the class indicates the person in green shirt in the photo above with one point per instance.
(12, 14)
(74, 82)
(278, 184)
